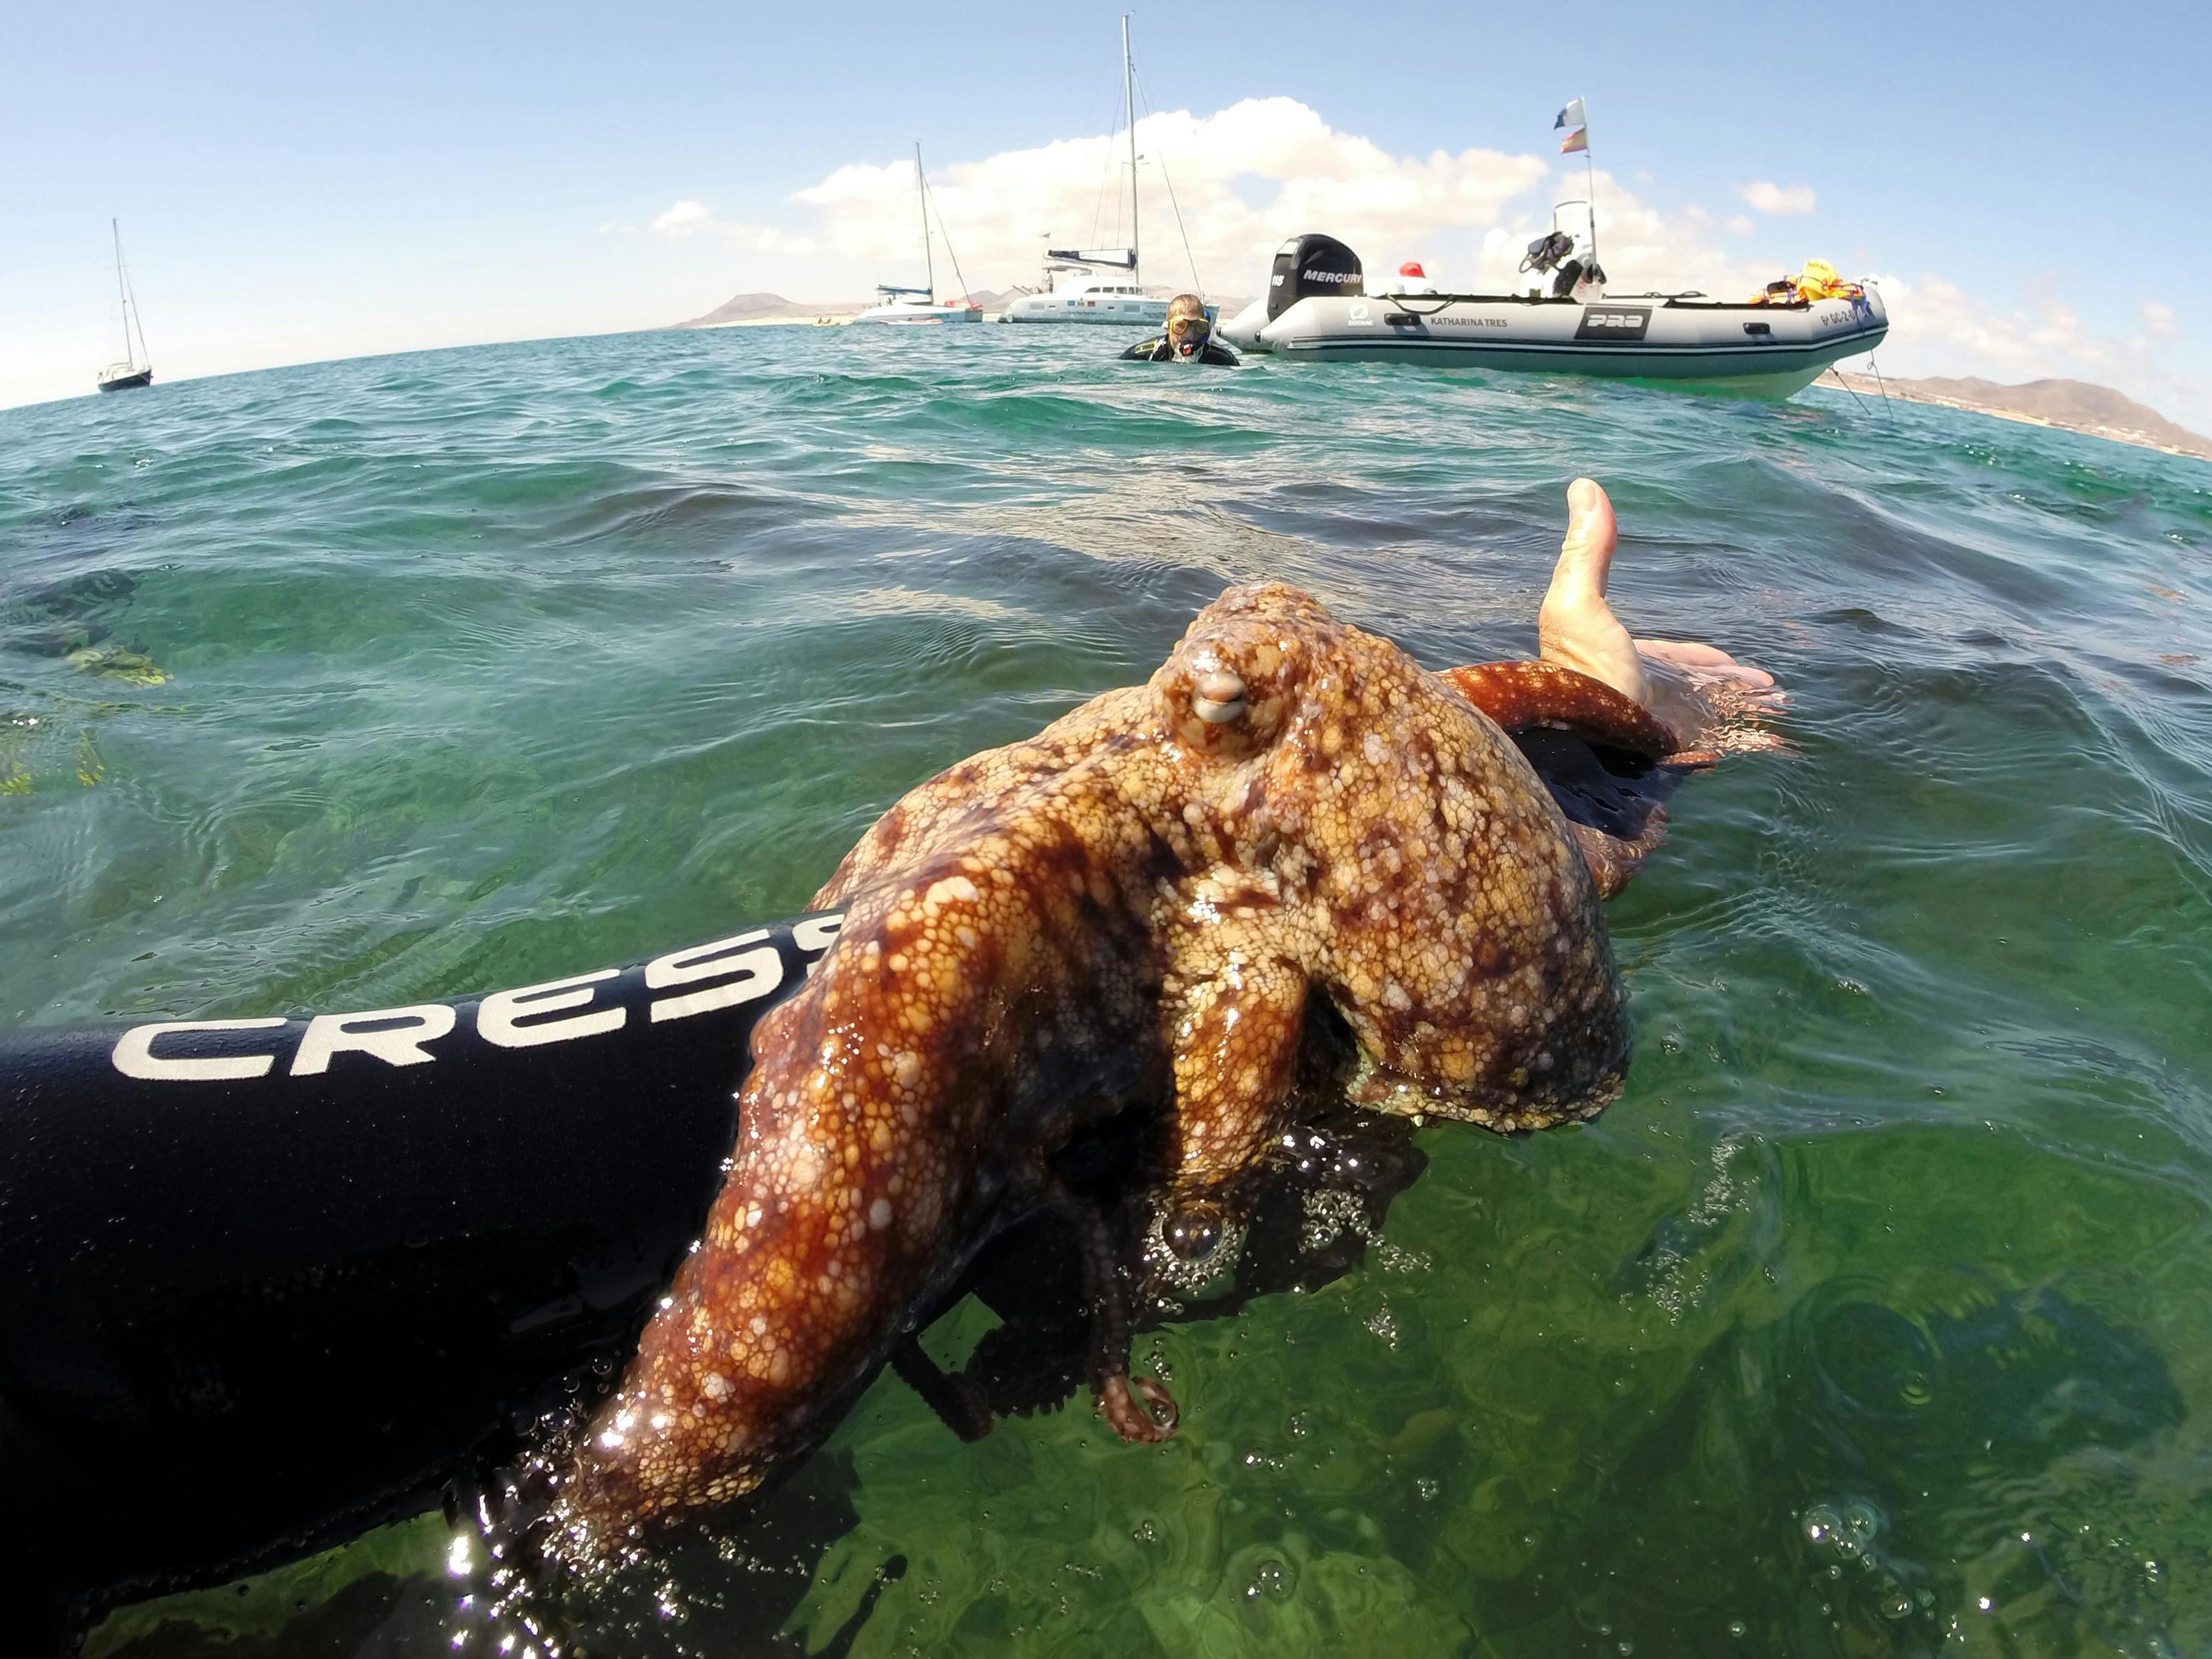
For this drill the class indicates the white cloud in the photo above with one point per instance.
(1245, 179)
(1764, 198)
(2158, 320)
(683, 219)
(1740, 225)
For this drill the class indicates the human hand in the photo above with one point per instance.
(1706, 698)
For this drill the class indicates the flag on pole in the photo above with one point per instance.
(1576, 141)
(1572, 116)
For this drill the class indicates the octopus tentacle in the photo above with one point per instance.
(1104, 1293)
(1118, 1404)
(1523, 697)
(1520, 696)
(855, 1172)
(1614, 859)
(1234, 1041)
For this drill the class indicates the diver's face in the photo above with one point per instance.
(1187, 336)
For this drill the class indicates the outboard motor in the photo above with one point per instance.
(1311, 265)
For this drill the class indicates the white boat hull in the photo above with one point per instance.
(1117, 310)
(919, 313)
(1764, 350)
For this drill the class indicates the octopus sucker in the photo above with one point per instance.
(1291, 838)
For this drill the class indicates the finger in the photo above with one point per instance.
(1574, 627)
(1593, 532)
(1687, 652)
(1704, 662)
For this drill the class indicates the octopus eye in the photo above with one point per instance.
(1219, 697)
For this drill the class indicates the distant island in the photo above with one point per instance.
(772, 308)
(2075, 405)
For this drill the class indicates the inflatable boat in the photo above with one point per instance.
(1317, 306)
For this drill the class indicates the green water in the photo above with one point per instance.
(1876, 1318)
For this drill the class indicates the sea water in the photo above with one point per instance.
(1875, 1317)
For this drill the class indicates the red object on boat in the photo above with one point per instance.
(1412, 268)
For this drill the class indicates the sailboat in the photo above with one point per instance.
(1089, 296)
(117, 377)
(920, 305)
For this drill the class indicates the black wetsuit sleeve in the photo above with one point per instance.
(266, 1282)
(1147, 351)
(1220, 356)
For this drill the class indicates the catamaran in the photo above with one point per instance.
(1089, 296)
(921, 305)
(117, 376)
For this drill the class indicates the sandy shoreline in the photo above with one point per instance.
(827, 320)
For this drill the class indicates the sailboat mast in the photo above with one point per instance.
(121, 294)
(1129, 95)
(929, 258)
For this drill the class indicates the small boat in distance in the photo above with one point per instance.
(918, 305)
(118, 377)
(921, 305)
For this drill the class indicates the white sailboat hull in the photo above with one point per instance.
(1086, 306)
(921, 313)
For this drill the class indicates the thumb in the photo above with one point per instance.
(1586, 555)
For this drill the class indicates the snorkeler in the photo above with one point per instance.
(1189, 338)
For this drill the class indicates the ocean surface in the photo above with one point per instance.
(1875, 1318)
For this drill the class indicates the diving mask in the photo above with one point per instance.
(1189, 335)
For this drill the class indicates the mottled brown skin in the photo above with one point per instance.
(1132, 907)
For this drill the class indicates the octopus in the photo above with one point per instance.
(1160, 904)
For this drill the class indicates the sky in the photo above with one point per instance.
(296, 182)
